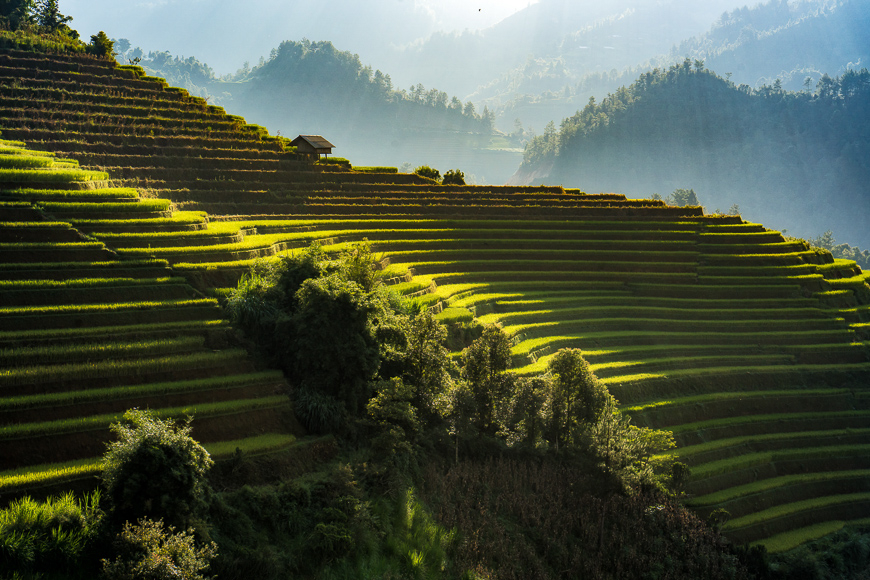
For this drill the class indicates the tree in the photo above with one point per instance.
(426, 171)
(453, 177)
(458, 406)
(523, 420)
(634, 454)
(484, 364)
(16, 12)
(395, 418)
(427, 360)
(683, 198)
(155, 469)
(147, 551)
(576, 399)
(102, 46)
(123, 45)
(48, 16)
(332, 347)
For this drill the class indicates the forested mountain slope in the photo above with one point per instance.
(797, 161)
(752, 45)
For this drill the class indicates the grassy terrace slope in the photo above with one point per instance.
(751, 348)
(85, 335)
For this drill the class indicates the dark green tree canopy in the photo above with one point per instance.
(155, 469)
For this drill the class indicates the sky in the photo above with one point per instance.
(227, 33)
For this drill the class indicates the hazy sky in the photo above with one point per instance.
(226, 33)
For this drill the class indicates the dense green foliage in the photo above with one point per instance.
(430, 172)
(453, 177)
(156, 470)
(147, 551)
(52, 538)
(686, 125)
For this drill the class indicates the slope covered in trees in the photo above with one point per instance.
(753, 45)
(312, 87)
(797, 161)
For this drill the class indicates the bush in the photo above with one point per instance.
(428, 172)
(50, 537)
(453, 177)
(102, 46)
(148, 552)
(155, 469)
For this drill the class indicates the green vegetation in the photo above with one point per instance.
(446, 360)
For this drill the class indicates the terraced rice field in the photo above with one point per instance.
(751, 348)
(85, 335)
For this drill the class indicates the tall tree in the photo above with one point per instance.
(48, 16)
(484, 364)
(16, 12)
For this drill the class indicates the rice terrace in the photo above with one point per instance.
(131, 211)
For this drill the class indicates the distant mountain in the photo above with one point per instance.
(782, 40)
(314, 88)
(793, 160)
(581, 37)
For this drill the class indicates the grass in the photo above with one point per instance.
(454, 315)
(125, 392)
(87, 283)
(78, 424)
(56, 194)
(115, 369)
(752, 459)
(772, 483)
(737, 441)
(793, 508)
(36, 475)
(62, 308)
(24, 336)
(143, 205)
(42, 355)
(760, 419)
(794, 538)
(51, 175)
(738, 395)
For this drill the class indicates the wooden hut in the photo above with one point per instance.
(312, 146)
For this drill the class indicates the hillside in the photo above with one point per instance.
(312, 87)
(753, 45)
(750, 347)
(794, 160)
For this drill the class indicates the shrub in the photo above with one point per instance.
(155, 469)
(101, 45)
(453, 177)
(148, 552)
(49, 537)
(428, 172)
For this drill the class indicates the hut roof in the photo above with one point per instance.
(315, 141)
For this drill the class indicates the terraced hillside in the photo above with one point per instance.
(85, 335)
(751, 348)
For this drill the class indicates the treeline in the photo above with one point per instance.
(40, 25)
(793, 160)
(307, 78)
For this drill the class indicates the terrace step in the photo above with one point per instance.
(116, 400)
(50, 442)
(730, 405)
(96, 295)
(72, 252)
(799, 514)
(744, 445)
(215, 332)
(83, 270)
(109, 372)
(36, 233)
(134, 313)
